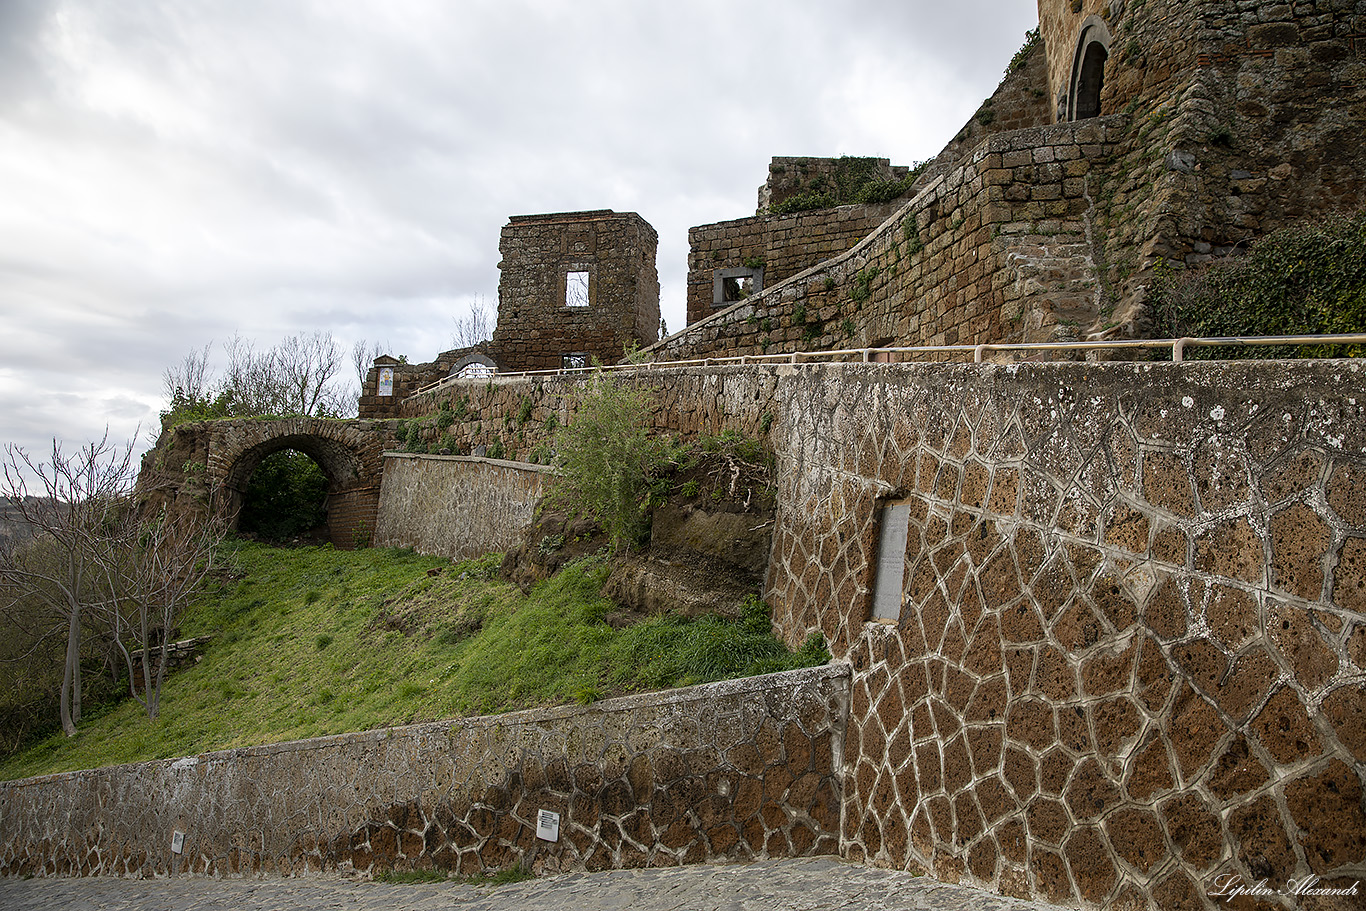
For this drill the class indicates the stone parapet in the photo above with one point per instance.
(1128, 657)
(736, 770)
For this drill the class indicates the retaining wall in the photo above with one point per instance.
(454, 506)
(1130, 655)
(728, 771)
(1131, 651)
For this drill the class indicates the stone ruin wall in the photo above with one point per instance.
(206, 465)
(535, 329)
(996, 250)
(729, 771)
(409, 378)
(1224, 121)
(1131, 653)
(783, 245)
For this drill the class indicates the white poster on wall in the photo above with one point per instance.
(386, 381)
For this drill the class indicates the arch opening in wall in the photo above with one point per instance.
(1088, 70)
(317, 471)
(285, 498)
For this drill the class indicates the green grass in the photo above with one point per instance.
(315, 641)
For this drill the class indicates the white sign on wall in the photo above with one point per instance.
(386, 381)
(177, 842)
(548, 825)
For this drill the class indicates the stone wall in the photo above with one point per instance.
(536, 329)
(454, 506)
(736, 770)
(1130, 655)
(207, 465)
(409, 378)
(778, 246)
(995, 250)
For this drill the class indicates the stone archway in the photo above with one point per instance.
(1088, 70)
(348, 452)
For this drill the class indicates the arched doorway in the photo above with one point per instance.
(285, 499)
(1088, 70)
(293, 481)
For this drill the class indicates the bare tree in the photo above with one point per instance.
(304, 366)
(157, 563)
(475, 326)
(59, 579)
(189, 379)
(363, 354)
(300, 375)
(249, 381)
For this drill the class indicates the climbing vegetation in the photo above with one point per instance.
(1305, 279)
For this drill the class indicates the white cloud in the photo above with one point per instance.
(180, 170)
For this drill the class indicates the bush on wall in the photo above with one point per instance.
(609, 459)
(1304, 280)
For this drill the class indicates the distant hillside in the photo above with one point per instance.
(12, 524)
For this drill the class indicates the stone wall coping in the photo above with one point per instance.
(784, 680)
(501, 463)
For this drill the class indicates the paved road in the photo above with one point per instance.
(815, 884)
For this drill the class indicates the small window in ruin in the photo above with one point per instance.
(576, 289)
(1091, 81)
(730, 286)
(1088, 70)
(891, 562)
(577, 361)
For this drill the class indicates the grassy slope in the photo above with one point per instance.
(313, 641)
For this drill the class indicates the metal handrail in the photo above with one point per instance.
(1178, 348)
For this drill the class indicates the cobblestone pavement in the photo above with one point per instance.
(816, 884)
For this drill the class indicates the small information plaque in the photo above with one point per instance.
(177, 842)
(548, 825)
(386, 381)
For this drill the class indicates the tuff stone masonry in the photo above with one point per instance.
(727, 771)
(1133, 135)
(1127, 654)
(575, 287)
(1121, 655)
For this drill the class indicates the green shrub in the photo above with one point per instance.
(609, 458)
(1304, 280)
(284, 497)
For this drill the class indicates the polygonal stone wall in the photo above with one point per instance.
(1131, 656)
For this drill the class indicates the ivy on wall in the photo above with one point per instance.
(1301, 280)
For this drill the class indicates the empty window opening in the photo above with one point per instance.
(1090, 81)
(737, 289)
(730, 286)
(1088, 69)
(576, 289)
(576, 361)
(891, 562)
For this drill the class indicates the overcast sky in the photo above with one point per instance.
(176, 172)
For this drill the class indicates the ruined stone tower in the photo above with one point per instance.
(576, 287)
